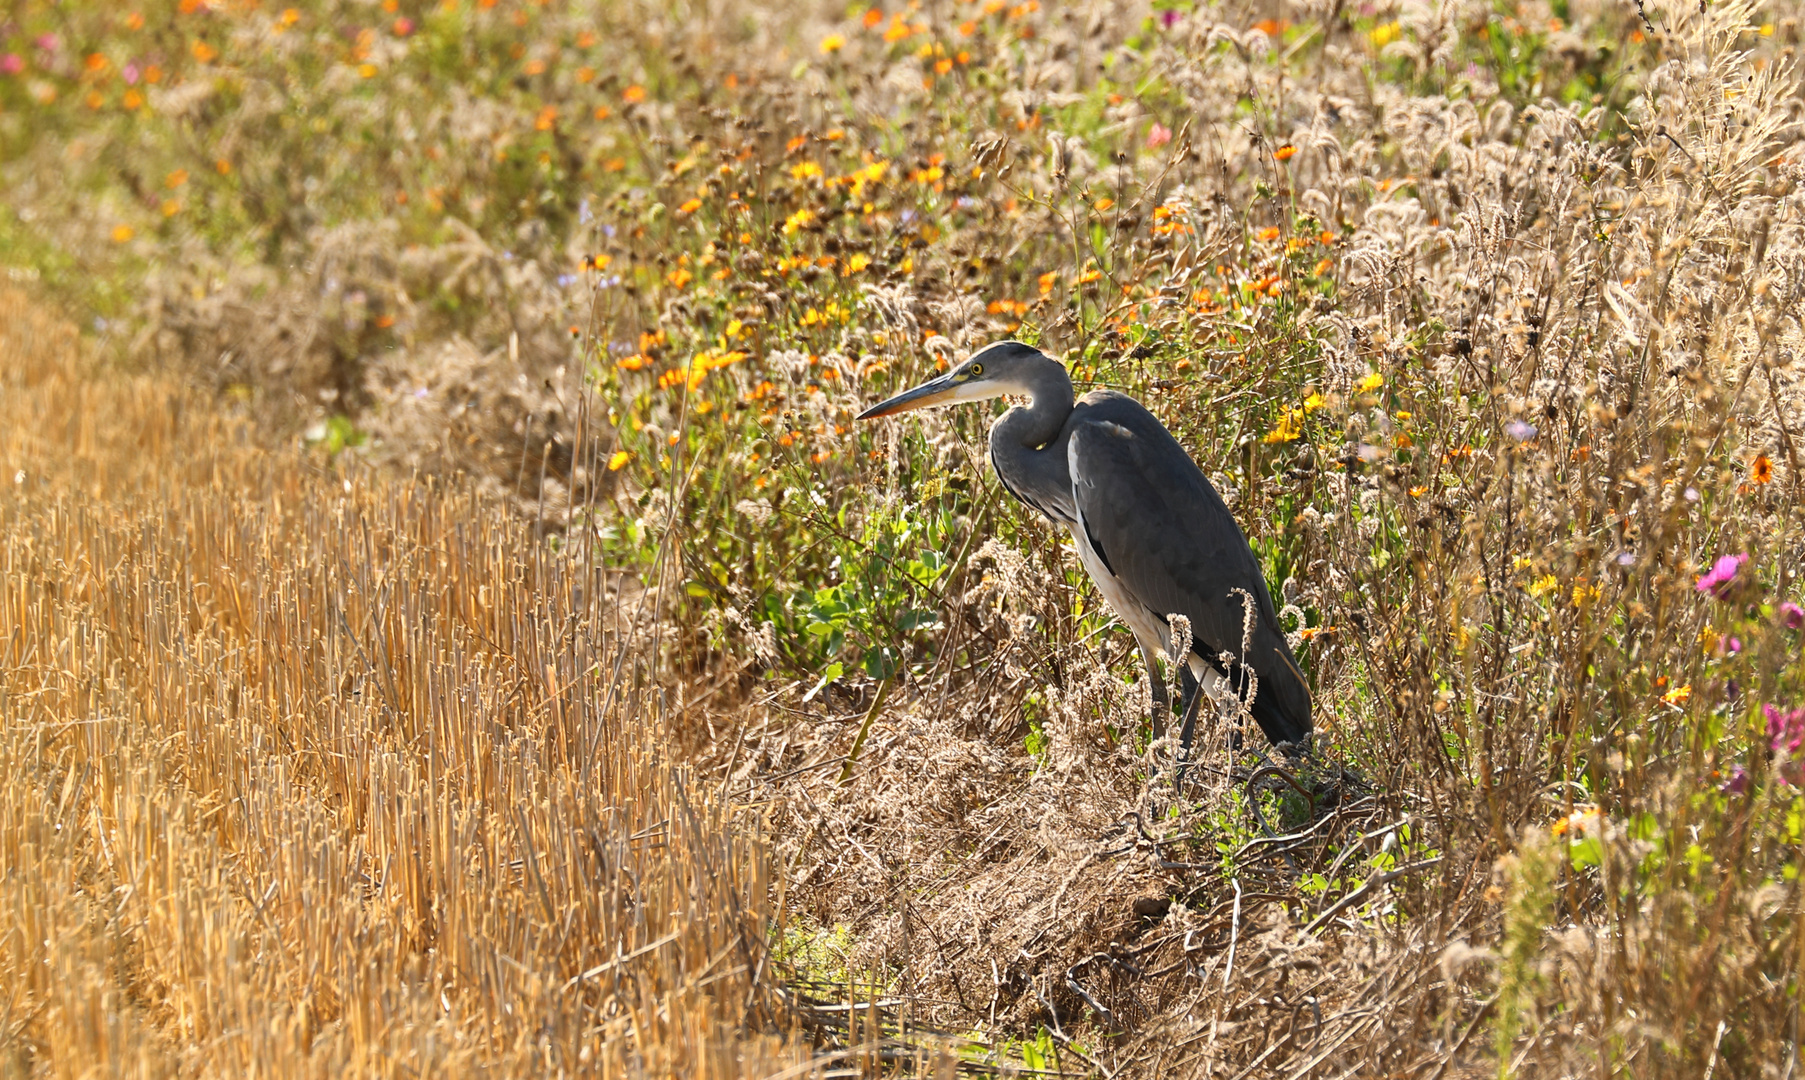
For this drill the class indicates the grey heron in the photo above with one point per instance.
(1149, 528)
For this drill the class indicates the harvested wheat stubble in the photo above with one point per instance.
(306, 774)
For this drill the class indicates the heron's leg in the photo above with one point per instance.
(1193, 696)
(1162, 706)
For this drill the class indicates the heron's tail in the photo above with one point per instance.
(1282, 700)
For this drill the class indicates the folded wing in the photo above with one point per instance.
(1161, 528)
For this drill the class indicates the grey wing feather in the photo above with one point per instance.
(1164, 531)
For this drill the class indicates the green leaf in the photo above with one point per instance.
(829, 674)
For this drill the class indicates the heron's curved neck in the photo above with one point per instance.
(1026, 443)
(1049, 391)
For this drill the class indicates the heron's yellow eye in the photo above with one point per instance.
(976, 370)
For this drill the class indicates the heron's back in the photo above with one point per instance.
(1160, 527)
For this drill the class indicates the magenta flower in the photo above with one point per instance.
(1722, 576)
(12, 63)
(1159, 136)
(1792, 615)
(1785, 730)
(1737, 782)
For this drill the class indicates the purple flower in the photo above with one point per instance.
(1792, 615)
(1520, 431)
(1785, 730)
(1722, 576)
(12, 63)
(1737, 783)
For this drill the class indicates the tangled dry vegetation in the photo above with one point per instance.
(1483, 316)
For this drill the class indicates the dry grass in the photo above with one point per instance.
(309, 772)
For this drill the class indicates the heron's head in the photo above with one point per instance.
(1007, 367)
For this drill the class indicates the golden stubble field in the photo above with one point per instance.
(306, 774)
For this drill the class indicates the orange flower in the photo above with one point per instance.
(1284, 152)
(1268, 234)
(873, 17)
(634, 94)
(1762, 469)
(690, 207)
(203, 52)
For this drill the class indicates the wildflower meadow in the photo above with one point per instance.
(452, 623)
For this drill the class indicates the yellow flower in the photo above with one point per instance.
(803, 170)
(122, 233)
(794, 223)
(618, 460)
(1372, 382)
(832, 43)
(1288, 429)
(857, 262)
(1544, 585)
(1679, 695)
(1384, 35)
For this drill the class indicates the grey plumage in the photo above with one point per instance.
(1148, 525)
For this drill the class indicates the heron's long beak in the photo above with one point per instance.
(941, 391)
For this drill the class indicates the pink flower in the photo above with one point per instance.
(1159, 136)
(12, 63)
(404, 26)
(47, 42)
(1722, 576)
(1792, 615)
(130, 73)
(1785, 730)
